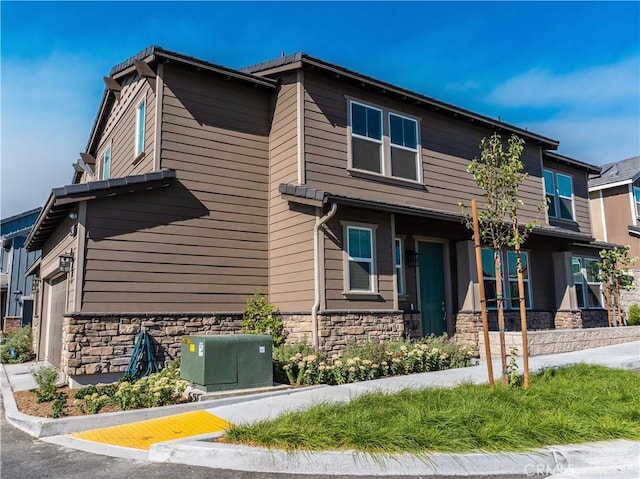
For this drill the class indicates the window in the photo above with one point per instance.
(510, 280)
(403, 134)
(558, 188)
(594, 292)
(578, 280)
(399, 266)
(389, 147)
(105, 163)
(636, 194)
(360, 259)
(512, 275)
(366, 138)
(140, 116)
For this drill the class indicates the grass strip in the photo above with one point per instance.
(573, 404)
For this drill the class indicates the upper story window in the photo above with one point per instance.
(636, 194)
(105, 164)
(140, 121)
(383, 142)
(360, 274)
(558, 188)
(510, 280)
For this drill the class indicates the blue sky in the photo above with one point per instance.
(570, 71)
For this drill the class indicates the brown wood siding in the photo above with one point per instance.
(334, 260)
(618, 216)
(120, 130)
(58, 243)
(580, 197)
(291, 255)
(200, 244)
(447, 147)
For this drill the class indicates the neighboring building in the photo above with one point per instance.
(334, 192)
(16, 299)
(614, 198)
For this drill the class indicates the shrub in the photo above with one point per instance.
(633, 319)
(261, 317)
(59, 403)
(46, 378)
(17, 347)
(302, 365)
(283, 353)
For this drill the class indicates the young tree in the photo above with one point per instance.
(613, 273)
(500, 173)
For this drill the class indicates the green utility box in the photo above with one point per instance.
(221, 363)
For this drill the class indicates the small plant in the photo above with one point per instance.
(95, 402)
(17, 347)
(633, 319)
(261, 317)
(513, 374)
(59, 403)
(46, 378)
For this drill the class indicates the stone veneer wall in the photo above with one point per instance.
(104, 343)
(631, 297)
(336, 330)
(469, 324)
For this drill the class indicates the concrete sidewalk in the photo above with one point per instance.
(610, 459)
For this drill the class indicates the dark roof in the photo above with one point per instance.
(634, 230)
(16, 225)
(571, 162)
(298, 60)
(626, 171)
(62, 200)
(306, 193)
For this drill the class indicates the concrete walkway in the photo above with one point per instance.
(617, 459)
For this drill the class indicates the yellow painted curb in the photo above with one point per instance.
(141, 435)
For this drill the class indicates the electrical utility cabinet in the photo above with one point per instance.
(221, 363)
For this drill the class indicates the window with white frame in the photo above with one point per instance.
(360, 259)
(105, 164)
(403, 136)
(366, 138)
(636, 194)
(140, 123)
(593, 286)
(558, 188)
(399, 266)
(508, 263)
(390, 147)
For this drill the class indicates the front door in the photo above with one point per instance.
(56, 310)
(432, 297)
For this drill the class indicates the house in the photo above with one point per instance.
(16, 288)
(334, 192)
(614, 198)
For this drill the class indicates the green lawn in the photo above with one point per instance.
(573, 404)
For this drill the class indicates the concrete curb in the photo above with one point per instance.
(553, 459)
(39, 427)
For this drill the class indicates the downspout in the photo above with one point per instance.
(316, 269)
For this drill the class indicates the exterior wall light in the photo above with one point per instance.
(65, 262)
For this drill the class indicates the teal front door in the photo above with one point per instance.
(432, 298)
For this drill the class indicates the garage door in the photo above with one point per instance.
(57, 306)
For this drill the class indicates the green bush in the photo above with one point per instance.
(46, 378)
(17, 347)
(633, 318)
(261, 317)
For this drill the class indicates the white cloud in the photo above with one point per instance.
(596, 140)
(604, 85)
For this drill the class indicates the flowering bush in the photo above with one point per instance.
(157, 389)
(305, 366)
